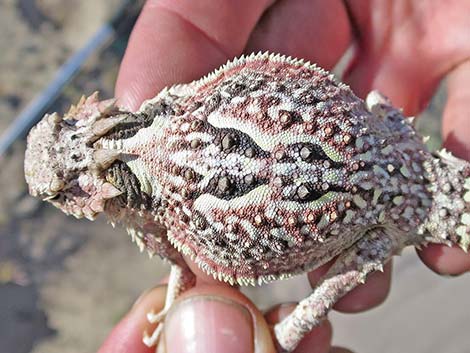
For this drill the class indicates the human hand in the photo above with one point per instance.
(209, 319)
(404, 56)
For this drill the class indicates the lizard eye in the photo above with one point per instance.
(76, 157)
(56, 184)
(52, 197)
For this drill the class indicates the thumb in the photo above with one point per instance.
(128, 333)
(214, 318)
(207, 318)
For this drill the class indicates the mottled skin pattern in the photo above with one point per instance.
(264, 169)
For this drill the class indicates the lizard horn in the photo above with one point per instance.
(103, 158)
(102, 126)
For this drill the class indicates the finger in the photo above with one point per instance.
(128, 333)
(456, 127)
(316, 341)
(368, 295)
(179, 41)
(202, 277)
(303, 29)
(445, 260)
(396, 48)
(205, 319)
(456, 132)
(364, 297)
(216, 319)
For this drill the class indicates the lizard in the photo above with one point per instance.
(266, 168)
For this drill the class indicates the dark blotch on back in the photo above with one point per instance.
(308, 192)
(232, 140)
(227, 187)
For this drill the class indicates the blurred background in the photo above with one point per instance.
(64, 283)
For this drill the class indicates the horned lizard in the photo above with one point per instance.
(266, 168)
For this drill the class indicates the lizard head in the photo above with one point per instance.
(62, 165)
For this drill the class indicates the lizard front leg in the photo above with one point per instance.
(369, 254)
(181, 279)
(154, 238)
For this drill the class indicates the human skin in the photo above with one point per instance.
(403, 48)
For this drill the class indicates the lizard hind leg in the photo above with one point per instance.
(350, 269)
(181, 279)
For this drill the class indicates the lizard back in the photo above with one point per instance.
(269, 167)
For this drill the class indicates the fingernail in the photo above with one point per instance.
(208, 324)
(340, 350)
(451, 275)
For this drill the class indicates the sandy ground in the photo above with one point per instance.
(64, 283)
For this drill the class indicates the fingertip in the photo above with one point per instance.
(221, 319)
(315, 276)
(209, 323)
(163, 49)
(457, 110)
(276, 32)
(444, 260)
(127, 335)
(368, 295)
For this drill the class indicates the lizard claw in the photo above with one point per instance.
(152, 340)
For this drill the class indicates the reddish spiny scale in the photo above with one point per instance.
(195, 143)
(229, 141)
(258, 219)
(286, 118)
(310, 216)
(328, 130)
(266, 102)
(310, 127)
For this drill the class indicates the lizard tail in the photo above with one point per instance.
(449, 217)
